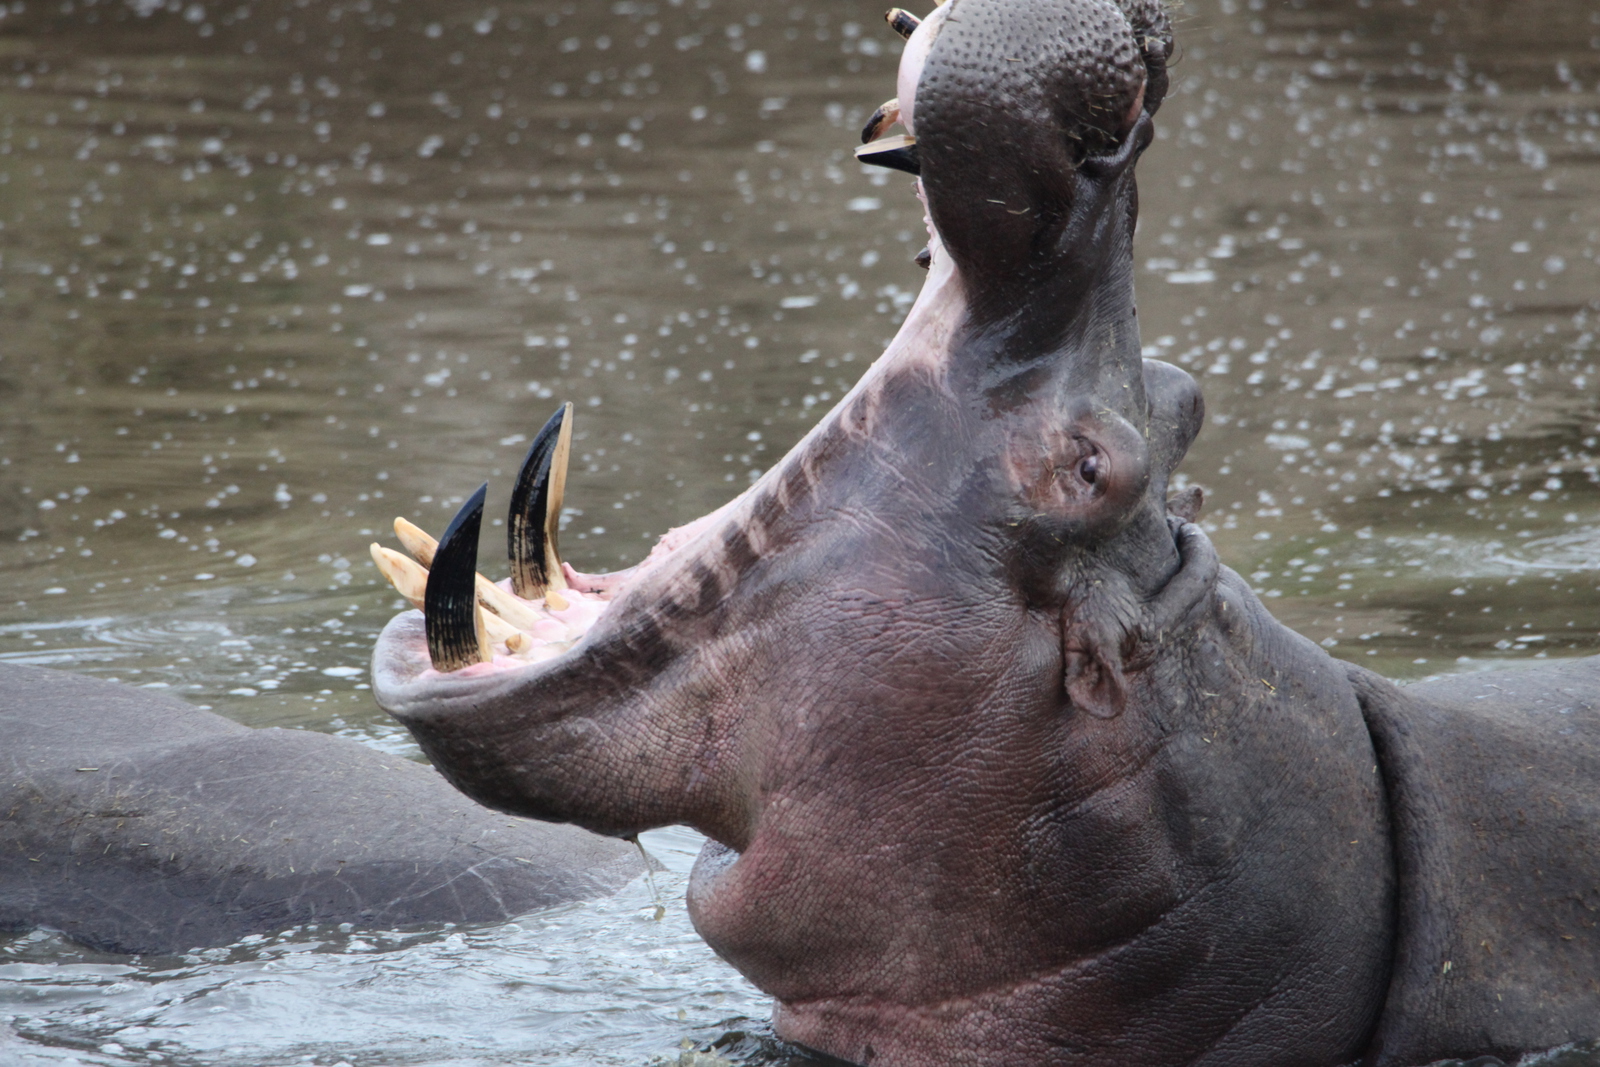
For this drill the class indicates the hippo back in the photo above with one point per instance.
(137, 823)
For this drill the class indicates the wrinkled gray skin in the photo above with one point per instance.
(133, 822)
(999, 765)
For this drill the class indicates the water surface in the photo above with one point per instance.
(272, 273)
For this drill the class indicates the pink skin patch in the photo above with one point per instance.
(918, 45)
(581, 612)
(548, 630)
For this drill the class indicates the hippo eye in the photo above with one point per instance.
(1089, 468)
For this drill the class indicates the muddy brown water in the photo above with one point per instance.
(272, 273)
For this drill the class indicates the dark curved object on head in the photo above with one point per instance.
(133, 822)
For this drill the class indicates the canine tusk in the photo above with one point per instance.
(534, 520)
(897, 153)
(902, 21)
(410, 580)
(510, 608)
(887, 115)
(454, 623)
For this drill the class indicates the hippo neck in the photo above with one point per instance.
(1057, 314)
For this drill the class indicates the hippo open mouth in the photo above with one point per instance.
(474, 627)
(936, 684)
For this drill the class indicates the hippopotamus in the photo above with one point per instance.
(998, 764)
(134, 822)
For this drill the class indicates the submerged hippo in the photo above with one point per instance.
(999, 765)
(133, 822)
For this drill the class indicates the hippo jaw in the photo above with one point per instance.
(641, 642)
(912, 683)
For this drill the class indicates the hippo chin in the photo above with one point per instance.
(133, 822)
(998, 764)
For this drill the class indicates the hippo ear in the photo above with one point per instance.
(1092, 675)
(1152, 29)
(1094, 629)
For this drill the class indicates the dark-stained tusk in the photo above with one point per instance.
(534, 521)
(901, 21)
(897, 153)
(887, 115)
(410, 580)
(499, 602)
(450, 602)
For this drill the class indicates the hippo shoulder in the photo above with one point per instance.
(1494, 784)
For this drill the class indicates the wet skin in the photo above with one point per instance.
(137, 823)
(999, 764)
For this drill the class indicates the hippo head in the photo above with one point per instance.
(902, 681)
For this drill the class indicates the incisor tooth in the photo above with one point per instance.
(498, 630)
(408, 579)
(514, 610)
(511, 608)
(416, 540)
(411, 581)
(555, 601)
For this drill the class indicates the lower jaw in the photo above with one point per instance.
(902, 1036)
